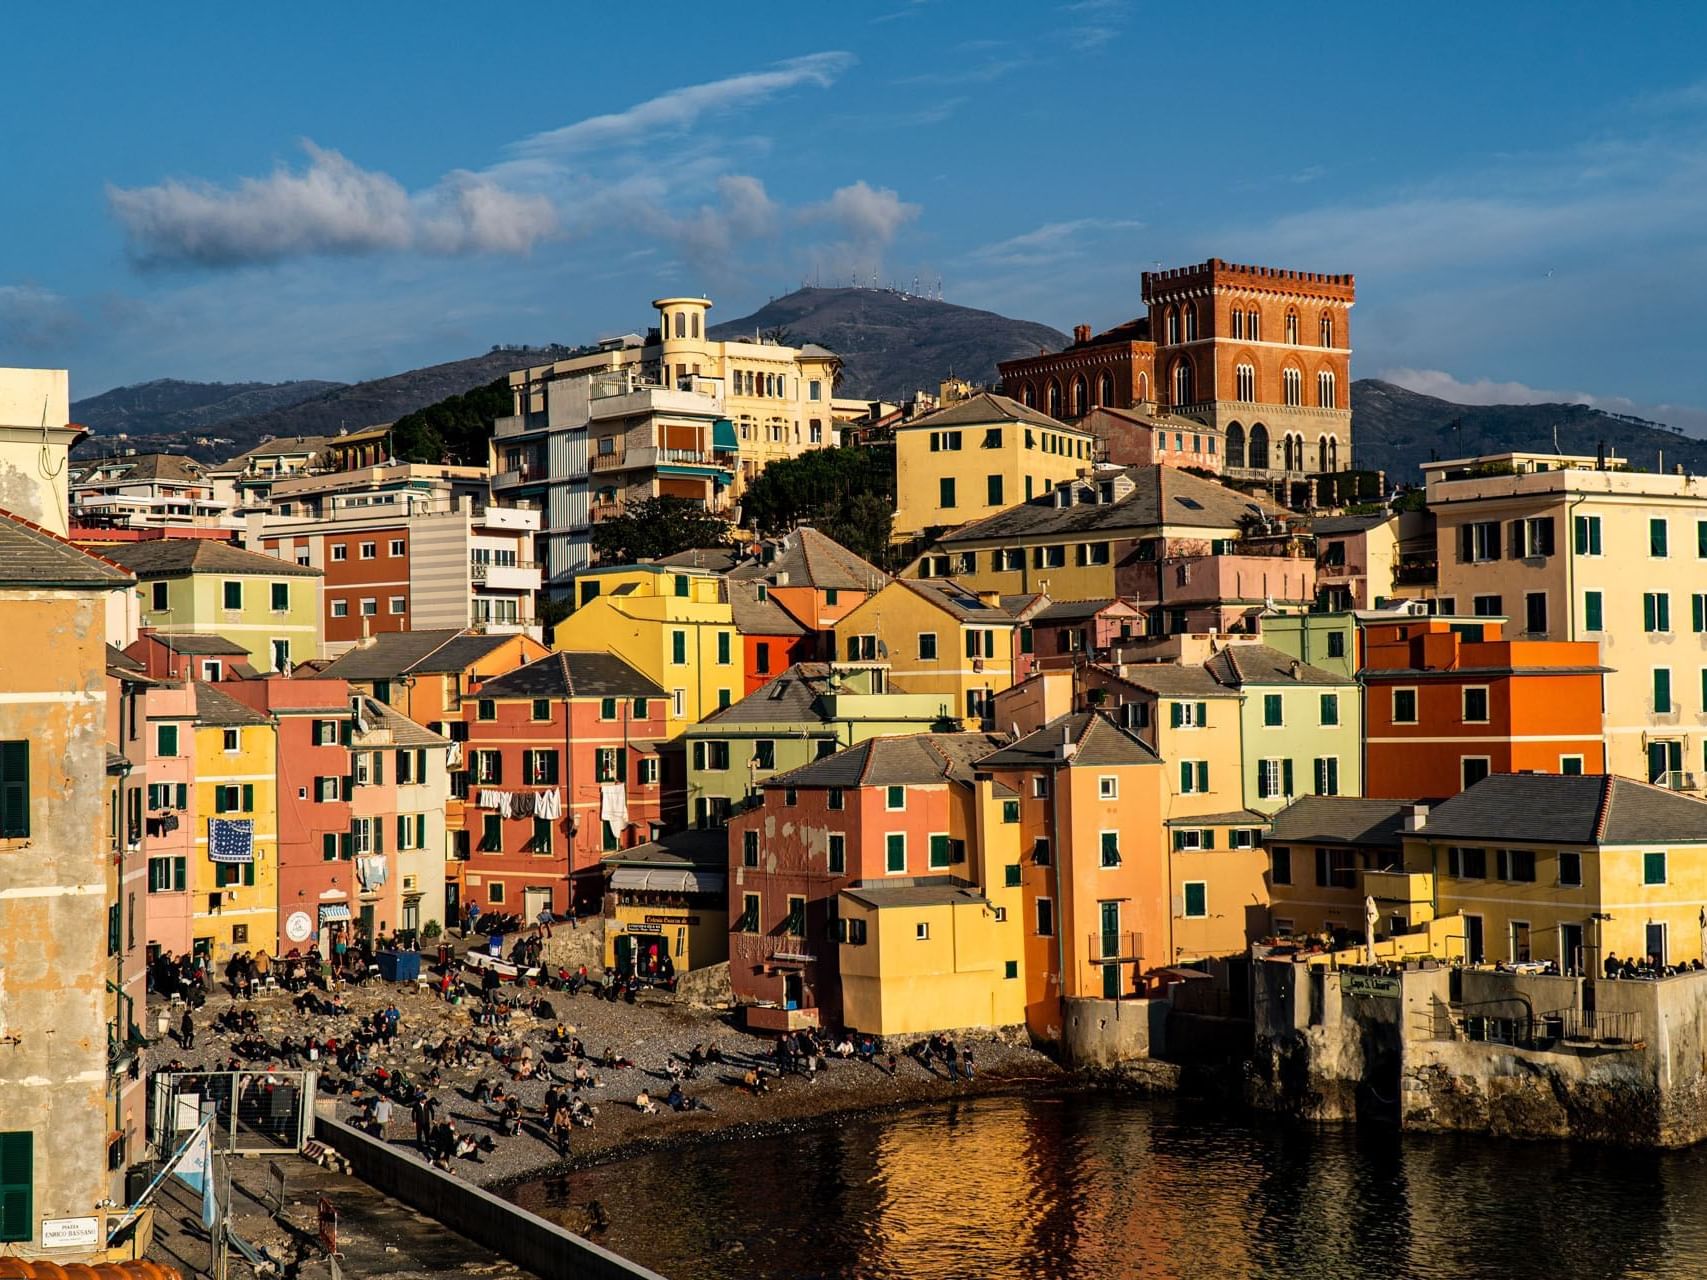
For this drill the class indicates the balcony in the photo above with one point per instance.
(613, 461)
(1678, 780)
(1416, 573)
(523, 517)
(524, 575)
(1118, 946)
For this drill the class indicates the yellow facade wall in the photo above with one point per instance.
(897, 983)
(698, 935)
(247, 918)
(1006, 452)
(899, 616)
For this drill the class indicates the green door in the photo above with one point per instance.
(1111, 947)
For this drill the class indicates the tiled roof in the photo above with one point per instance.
(572, 675)
(197, 644)
(404, 731)
(1331, 525)
(119, 660)
(911, 759)
(932, 891)
(1347, 820)
(1074, 610)
(985, 408)
(1096, 740)
(962, 603)
(164, 557)
(458, 654)
(173, 467)
(1172, 680)
(716, 559)
(276, 447)
(389, 655)
(695, 847)
(804, 557)
(1160, 495)
(216, 708)
(30, 556)
(792, 695)
(756, 617)
(1582, 809)
(1244, 664)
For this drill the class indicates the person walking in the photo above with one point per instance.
(187, 1031)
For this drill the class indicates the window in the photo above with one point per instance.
(723, 649)
(1245, 382)
(1662, 690)
(1292, 328)
(1292, 386)
(340, 551)
(945, 492)
(1515, 865)
(1193, 777)
(1330, 704)
(1327, 776)
(1532, 537)
(398, 605)
(539, 768)
(835, 799)
(941, 852)
(993, 491)
(1588, 535)
(1404, 706)
(838, 853)
(233, 595)
(1535, 613)
(495, 892)
(397, 546)
(369, 550)
(927, 646)
(1274, 778)
(370, 607)
(895, 799)
(1473, 769)
(340, 608)
(1326, 396)
(1571, 766)
(1476, 705)
(1188, 715)
(795, 923)
(165, 739)
(1481, 541)
(1467, 864)
(1325, 336)
(1045, 918)
(1657, 538)
(1653, 868)
(895, 853)
(1280, 865)
(1271, 710)
(611, 763)
(749, 921)
(1196, 899)
(488, 767)
(281, 597)
(1110, 848)
(1570, 869)
(679, 647)
(1656, 611)
(749, 848)
(1593, 614)
(158, 595)
(1108, 787)
(167, 875)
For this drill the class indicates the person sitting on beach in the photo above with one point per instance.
(583, 1078)
(510, 1121)
(643, 1103)
(677, 1101)
(755, 1081)
(614, 1061)
(581, 1112)
(576, 1048)
(844, 1048)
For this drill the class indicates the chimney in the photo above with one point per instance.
(990, 599)
(1069, 748)
(1081, 334)
(1415, 817)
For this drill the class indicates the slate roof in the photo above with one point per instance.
(1580, 809)
(216, 708)
(404, 731)
(702, 847)
(924, 892)
(1099, 742)
(198, 644)
(30, 556)
(964, 604)
(458, 653)
(275, 446)
(1160, 495)
(986, 409)
(792, 695)
(390, 655)
(1243, 664)
(173, 467)
(756, 617)
(1231, 818)
(119, 660)
(717, 559)
(1344, 820)
(1073, 610)
(1329, 526)
(1171, 680)
(571, 675)
(812, 559)
(910, 759)
(164, 557)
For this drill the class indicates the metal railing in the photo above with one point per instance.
(1678, 780)
(1115, 945)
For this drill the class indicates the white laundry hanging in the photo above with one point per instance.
(613, 805)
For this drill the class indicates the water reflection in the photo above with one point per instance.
(1097, 1186)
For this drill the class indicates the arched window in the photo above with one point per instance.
(1143, 387)
(1245, 382)
(1238, 319)
(1292, 327)
(1325, 389)
(1105, 388)
(1173, 325)
(1327, 330)
(1235, 445)
(1257, 450)
(1191, 324)
(1182, 384)
(1081, 397)
(1053, 408)
(696, 324)
(1293, 381)
(1253, 325)
(681, 324)
(1322, 454)
(1028, 395)
(1333, 453)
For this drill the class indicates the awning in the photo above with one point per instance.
(723, 436)
(334, 911)
(669, 880)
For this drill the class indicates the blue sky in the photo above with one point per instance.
(347, 191)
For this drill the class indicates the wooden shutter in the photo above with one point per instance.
(248, 797)
(1176, 715)
(1203, 775)
(1286, 776)
(420, 831)
(14, 789)
(17, 1186)
(1202, 714)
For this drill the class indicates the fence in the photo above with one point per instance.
(257, 1112)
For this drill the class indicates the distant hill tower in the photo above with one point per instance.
(1261, 353)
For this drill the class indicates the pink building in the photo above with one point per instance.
(1134, 438)
(169, 817)
(1224, 592)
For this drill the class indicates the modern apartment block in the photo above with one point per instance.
(146, 491)
(673, 414)
(1575, 548)
(405, 547)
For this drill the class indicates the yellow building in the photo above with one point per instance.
(1570, 868)
(234, 891)
(1328, 854)
(668, 897)
(1570, 548)
(938, 638)
(670, 623)
(1189, 719)
(979, 456)
(1218, 881)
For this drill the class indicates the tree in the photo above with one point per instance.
(814, 485)
(657, 527)
(456, 431)
(862, 523)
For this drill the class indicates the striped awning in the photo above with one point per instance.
(669, 880)
(334, 911)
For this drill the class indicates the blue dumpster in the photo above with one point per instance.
(399, 966)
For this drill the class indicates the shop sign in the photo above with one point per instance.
(676, 920)
(1370, 984)
(70, 1233)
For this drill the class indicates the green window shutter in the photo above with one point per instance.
(1662, 689)
(1202, 714)
(939, 851)
(17, 1186)
(1701, 538)
(1262, 782)
(607, 708)
(178, 873)
(379, 768)
(420, 831)
(1110, 848)
(1176, 715)
(329, 847)
(1582, 535)
(1011, 876)
(1321, 776)
(1653, 868)
(402, 830)
(346, 844)
(1648, 611)
(1657, 537)
(1179, 840)
(219, 799)
(248, 797)
(1184, 776)
(1698, 612)
(1196, 899)
(1203, 775)
(378, 836)
(1209, 837)
(896, 798)
(723, 647)
(678, 646)
(895, 847)
(14, 789)
(1286, 776)
(1271, 709)
(621, 765)
(699, 755)
(1591, 611)
(1025, 640)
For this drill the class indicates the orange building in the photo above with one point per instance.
(1449, 701)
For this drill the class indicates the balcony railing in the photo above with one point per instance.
(1113, 947)
(1678, 780)
(1415, 572)
(478, 570)
(608, 461)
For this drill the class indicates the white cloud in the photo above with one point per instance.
(1049, 243)
(868, 215)
(680, 109)
(333, 207)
